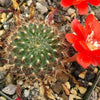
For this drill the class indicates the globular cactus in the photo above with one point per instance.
(34, 46)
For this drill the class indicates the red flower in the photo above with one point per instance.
(18, 99)
(86, 41)
(82, 5)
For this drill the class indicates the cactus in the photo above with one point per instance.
(34, 46)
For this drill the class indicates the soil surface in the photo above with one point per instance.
(63, 80)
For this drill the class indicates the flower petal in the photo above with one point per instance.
(77, 43)
(98, 60)
(18, 98)
(84, 60)
(78, 47)
(67, 3)
(84, 45)
(78, 28)
(83, 8)
(71, 38)
(94, 62)
(96, 52)
(75, 2)
(94, 25)
(94, 2)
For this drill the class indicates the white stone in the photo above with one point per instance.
(26, 93)
(10, 89)
(71, 11)
(20, 82)
(68, 85)
(29, 2)
(41, 8)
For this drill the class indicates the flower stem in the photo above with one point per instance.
(8, 98)
(51, 15)
(89, 92)
(73, 58)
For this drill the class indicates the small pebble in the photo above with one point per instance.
(73, 91)
(1, 75)
(5, 3)
(42, 90)
(35, 92)
(6, 26)
(68, 18)
(71, 11)
(29, 2)
(9, 78)
(20, 82)
(73, 97)
(10, 89)
(41, 8)
(90, 83)
(97, 90)
(92, 12)
(26, 93)
(68, 85)
(95, 70)
(93, 96)
(40, 0)
(73, 15)
(36, 85)
(1, 68)
(83, 74)
(2, 32)
(3, 17)
(82, 90)
(97, 14)
(2, 98)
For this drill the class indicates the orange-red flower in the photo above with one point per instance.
(82, 5)
(86, 41)
(18, 98)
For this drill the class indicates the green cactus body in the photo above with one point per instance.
(34, 46)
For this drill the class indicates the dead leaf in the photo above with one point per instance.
(41, 90)
(9, 78)
(18, 20)
(57, 88)
(3, 17)
(51, 14)
(49, 94)
(15, 4)
(66, 89)
(72, 77)
(1, 44)
(18, 91)
(2, 32)
(31, 11)
(61, 76)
